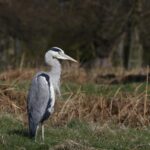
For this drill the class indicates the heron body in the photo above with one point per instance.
(41, 95)
(41, 101)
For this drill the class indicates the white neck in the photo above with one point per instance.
(55, 74)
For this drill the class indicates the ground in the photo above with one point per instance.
(75, 135)
(89, 116)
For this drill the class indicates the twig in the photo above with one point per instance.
(146, 89)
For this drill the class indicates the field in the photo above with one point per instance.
(98, 110)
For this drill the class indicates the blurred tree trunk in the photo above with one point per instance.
(117, 54)
(136, 50)
(135, 45)
(11, 52)
(18, 51)
(128, 52)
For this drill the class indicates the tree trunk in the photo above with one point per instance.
(117, 54)
(136, 50)
(135, 45)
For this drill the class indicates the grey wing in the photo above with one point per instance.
(38, 97)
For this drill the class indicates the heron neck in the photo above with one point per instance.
(55, 73)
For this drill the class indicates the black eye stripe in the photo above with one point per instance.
(55, 49)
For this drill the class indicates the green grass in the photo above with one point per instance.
(105, 90)
(13, 136)
(91, 88)
(22, 85)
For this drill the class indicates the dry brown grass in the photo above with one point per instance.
(129, 109)
(17, 74)
(75, 73)
(12, 102)
(121, 108)
(71, 145)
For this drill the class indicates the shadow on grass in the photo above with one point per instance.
(20, 132)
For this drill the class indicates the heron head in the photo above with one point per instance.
(58, 53)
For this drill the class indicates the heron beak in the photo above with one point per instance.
(66, 57)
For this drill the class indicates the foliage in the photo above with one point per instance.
(84, 29)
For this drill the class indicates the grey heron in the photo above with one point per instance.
(41, 95)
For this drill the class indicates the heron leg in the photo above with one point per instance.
(36, 133)
(43, 133)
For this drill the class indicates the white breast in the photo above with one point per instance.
(52, 95)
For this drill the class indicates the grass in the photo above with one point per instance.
(103, 89)
(75, 135)
(88, 88)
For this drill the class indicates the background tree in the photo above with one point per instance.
(117, 30)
